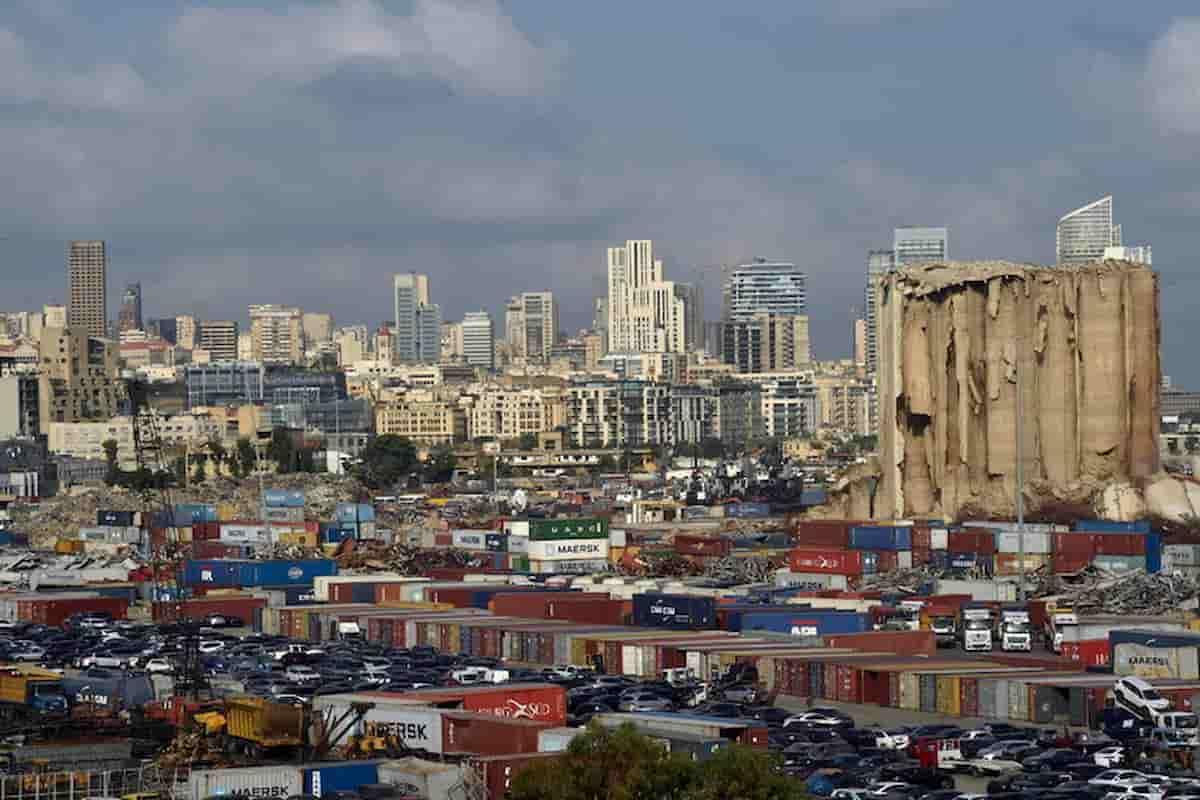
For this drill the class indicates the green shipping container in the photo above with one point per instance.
(541, 530)
(519, 563)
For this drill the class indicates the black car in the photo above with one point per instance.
(918, 776)
(1050, 760)
(771, 715)
(583, 713)
(724, 710)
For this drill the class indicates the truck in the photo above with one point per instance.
(1059, 620)
(977, 628)
(945, 629)
(30, 693)
(911, 610)
(256, 726)
(1015, 634)
(1178, 728)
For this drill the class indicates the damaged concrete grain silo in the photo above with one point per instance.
(952, 338)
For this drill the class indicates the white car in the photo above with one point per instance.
(887, 787)
(848, 794)
(883, 740)
(159, 666)
(210, 646)
(1138, 791)
(298, 673)
(29, 652)
(1118, 779)
(1139, 697)
(1109, 757)
(813, 718)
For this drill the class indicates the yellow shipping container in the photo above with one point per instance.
(1194, 625)
(948, 695)
(298, 538)
(69, 546)
(226, 512)
(910, 691)
(579, 651)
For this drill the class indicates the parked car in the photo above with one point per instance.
(1138, 697)
(1109, 756)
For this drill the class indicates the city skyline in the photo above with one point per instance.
(526, 174)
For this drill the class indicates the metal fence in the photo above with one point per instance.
(79, 784)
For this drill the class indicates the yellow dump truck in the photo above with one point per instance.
(27, 691)
(254, 725)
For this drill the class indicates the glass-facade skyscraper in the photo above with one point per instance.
(1083, 235)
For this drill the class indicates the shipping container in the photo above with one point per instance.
(469, 540)
(574, 528)
(245, 533)
(117, 519)
(1120, 564)
(345, 776)
(246, 782)
(881, 537)
(499, 772)
(54, 610)
(417, 778)
(747, 510)
(536, 701)
(827, 561)
(797, 621)
(354, 512)
(568, 549)
(283, 498)
(1155, 654)
(417, 726)
(283, 514)
(487, 734)
(982, 542)
(1023, 541)
(1108, 526)
(674, 611)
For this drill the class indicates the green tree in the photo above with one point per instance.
(282, 450)
(385, 461)
(742, 773)
(607, 764)
(113, 474)
(198, 473)
(218, 453)
(245, 457)
(306, 460)
(440, 468)
(528, 441)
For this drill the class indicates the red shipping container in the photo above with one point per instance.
(921, 538)
(499, 772)
(831, 681)
(204, 531)
(833, 533)
(849, 688)
(1075, 544)
(443, 539)
(540, 702)
(826, 560)
(968, 697)
(210, 548)
(980, 541)
(241, 606)
(691, 545)
(921, 556)
(1120, 544)
(1088, 653)
(54, 612)
(887, 561)
(487, 734)
(902, 643)
(1066, 563)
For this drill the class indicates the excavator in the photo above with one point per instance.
(263, 729)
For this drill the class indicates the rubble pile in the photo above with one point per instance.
(1097, 591)
(756, 569)
(405, 559)
(65, 514)
(901, 580)
(660, 565)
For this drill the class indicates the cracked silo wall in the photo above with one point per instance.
(952, 340)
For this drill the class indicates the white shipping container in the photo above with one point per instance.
(990, 591)
(247, 782)
(569, 550)
(245, 534)
(1179, 663)
(418, 726)
(809, 581)
(939, 539)
(1034, 543)
(567, 567)
(904, 559)
(1029, 527)
(1180, 555)
(278, 514)
(415, 777)
(470, 540)
(556, 740)
(518, 544)
(517, 527)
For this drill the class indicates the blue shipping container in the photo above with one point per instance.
(211, 572)
(1106, 526)
(355, 512)
(192, 513)
(347, 776)
(287, 572)
(744, 510)
(674, 611)
(496, 542)
(1154, 552)
(881, 537)
(800, 621)
(299, 596)
(282, 498)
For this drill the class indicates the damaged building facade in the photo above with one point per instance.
(957, 338)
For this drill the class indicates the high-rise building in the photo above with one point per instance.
(219, 338)
(767, 343)
(1140, 254)
(452, 341)
(479, 340)
(277, 334)
(185, 332)
(318, 328)
(54, 316)
(692, 295)
(130, 316)
(1084, 234)
(916, 245)
(418, 328)
(879, 262)
(87, 270)
(860, 342)
(79, 378)
(165, 329)
(773, 287)
(644, 313)
(531, 325)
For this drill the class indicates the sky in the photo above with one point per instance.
(298, 152)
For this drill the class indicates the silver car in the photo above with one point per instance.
(645, 701)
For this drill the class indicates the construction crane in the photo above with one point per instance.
(155, 488)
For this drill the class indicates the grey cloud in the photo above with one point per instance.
(469, 44)
(113, 87)
(1172, 77)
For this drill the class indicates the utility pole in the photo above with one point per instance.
(1020, 498)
